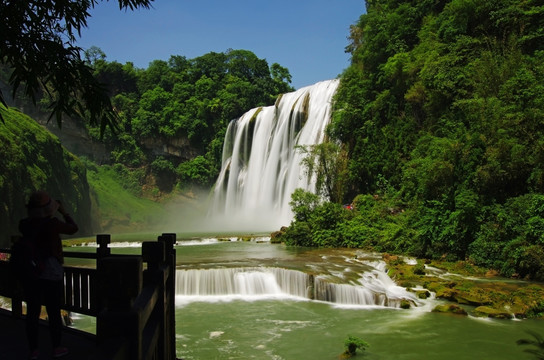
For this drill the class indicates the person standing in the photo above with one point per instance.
(47, 286)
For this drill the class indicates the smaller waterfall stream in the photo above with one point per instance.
(375, 288)
(241, 281)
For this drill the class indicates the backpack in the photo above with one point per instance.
(26, 261)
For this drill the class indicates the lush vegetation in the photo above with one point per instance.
(98, 197)
(436, 139)
(32, 159)
(441, 115)
(351, 344)
(184, 102)
(117, 201)
(172, 119)
(37, 41)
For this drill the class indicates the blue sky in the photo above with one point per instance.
(306, 36)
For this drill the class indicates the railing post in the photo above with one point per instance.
(169, 240)
(17, 290)
(155, 276)
(120, 282)
(102, 251)
(103, 240)
(153, 254)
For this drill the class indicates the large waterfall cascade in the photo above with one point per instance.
(261, 166)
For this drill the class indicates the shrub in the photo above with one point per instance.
(352, 343)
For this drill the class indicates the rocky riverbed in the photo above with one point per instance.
(467, 289)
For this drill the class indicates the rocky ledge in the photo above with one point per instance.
(467, 289)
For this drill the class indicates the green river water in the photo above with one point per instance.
(290, 328)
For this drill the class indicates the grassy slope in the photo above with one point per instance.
(116, 208)
(31, 158)
(100, 198)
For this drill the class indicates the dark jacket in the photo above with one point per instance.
(47, 232)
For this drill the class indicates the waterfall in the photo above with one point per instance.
(261, 166)
(241, 281)
(375, 288)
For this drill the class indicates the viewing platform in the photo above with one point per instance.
(13, 344)
(132, 298)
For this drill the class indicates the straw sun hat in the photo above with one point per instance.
(41, 204)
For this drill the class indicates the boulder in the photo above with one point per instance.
(451, 309)
(486, 311)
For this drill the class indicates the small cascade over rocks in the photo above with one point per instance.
(375, 288)
(261, 166)
(247, 281)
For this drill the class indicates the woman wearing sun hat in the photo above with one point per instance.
(45, 228)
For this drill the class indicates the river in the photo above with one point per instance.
(244, 303)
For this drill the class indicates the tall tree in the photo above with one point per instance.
(328, 163)
(37, 41)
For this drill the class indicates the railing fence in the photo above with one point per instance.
(134, 308)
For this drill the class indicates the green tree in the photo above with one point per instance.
(156, 74)
(328, 163)
(443, 100)
(195, 171)
(282, 78)
(164, 172)
(352, 343)
(94, 54)
(303, 203)
(37, 42)
(117, 78)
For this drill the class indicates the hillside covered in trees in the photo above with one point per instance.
(436, 134)
(441, 114)
(172, 117)
(33, 158)
(184, 104)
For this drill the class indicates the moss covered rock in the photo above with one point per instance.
(422, 294)
(474, 287)
(447, 293)
(450, 308)
(472, 298)
(486, 311)
(405, 304)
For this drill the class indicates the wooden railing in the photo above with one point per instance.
(134, 308)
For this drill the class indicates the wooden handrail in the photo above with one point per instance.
(134, 308)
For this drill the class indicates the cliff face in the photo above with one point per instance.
(177, 148)
(73, 134)
(74, 137)
(33, 158)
